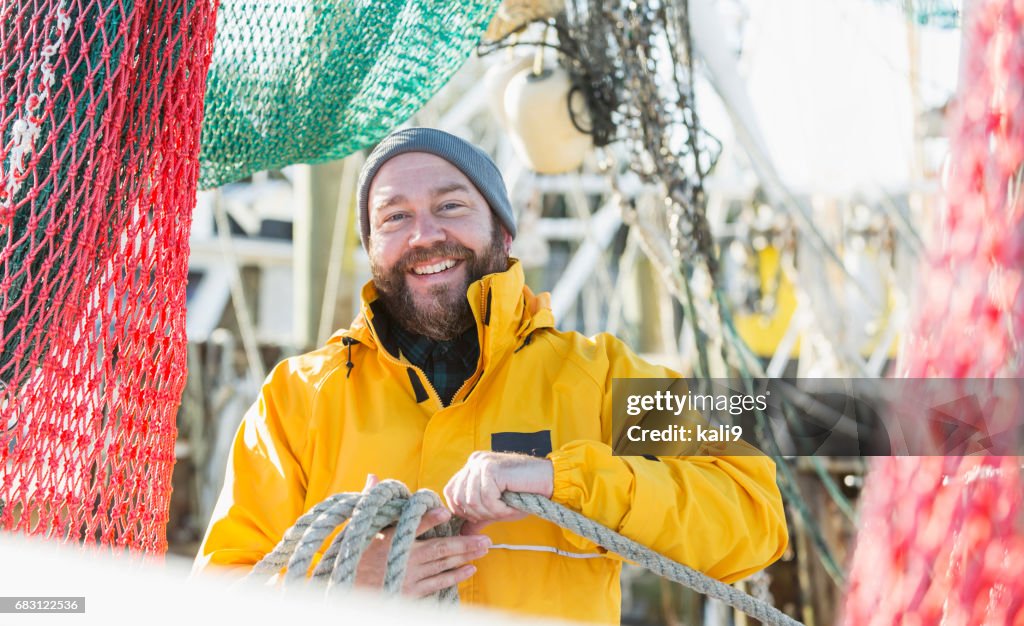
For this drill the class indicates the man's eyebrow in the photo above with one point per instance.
(389, 202)
(449, 188)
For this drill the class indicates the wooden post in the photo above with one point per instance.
(317, 191)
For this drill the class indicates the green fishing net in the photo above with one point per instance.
(307, 81)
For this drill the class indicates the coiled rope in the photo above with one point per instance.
(390, 503)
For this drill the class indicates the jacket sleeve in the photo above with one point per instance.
(264, 485)
(719, 515)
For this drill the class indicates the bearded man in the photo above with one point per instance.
(454, 378)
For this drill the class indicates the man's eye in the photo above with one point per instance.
(394, 217)
(448, 206)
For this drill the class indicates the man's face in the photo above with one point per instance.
(431, 234)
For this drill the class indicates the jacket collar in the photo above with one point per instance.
(505, 309)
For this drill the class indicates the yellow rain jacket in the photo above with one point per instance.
(326, 419)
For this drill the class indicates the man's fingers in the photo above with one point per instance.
(453, 491)
(371, 482)
(473, 505)
(457, 560)
(491, 500)
(481, 500)
(440, 548)
(432, 518)
(474, 492)
(427, 586)
(466, 498)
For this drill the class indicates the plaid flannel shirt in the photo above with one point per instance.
(446, 364)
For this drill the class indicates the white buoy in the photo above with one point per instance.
(542, 131)
(496, 81)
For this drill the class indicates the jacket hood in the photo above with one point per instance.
(505, 309)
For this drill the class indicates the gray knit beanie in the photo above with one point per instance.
(471, 161)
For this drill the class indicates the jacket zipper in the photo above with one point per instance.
(422, 376)
(476, 375)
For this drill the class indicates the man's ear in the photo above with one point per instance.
(507, 239)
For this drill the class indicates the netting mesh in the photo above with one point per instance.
(942, 538)
(307, 82)
(100, 111)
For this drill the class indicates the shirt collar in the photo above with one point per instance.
(418, 349)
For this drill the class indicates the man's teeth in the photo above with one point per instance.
(435, 268)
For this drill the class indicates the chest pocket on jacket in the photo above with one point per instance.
(536, 444)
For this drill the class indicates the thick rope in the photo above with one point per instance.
(390, 503)
(367, 513)
(643, 556)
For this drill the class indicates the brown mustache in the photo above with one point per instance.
(450, 250)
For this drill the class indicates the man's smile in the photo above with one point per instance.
(434, 267)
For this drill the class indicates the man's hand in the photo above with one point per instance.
(475, 491)
(434, 564)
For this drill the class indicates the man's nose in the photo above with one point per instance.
(427, 232)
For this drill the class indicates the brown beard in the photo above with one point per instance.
(448, 314)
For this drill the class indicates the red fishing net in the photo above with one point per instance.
(941, 539)
(100, 111)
